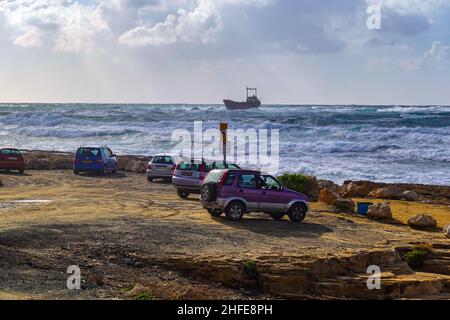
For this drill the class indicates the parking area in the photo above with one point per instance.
(130, 231)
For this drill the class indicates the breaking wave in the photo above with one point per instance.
(385, 143)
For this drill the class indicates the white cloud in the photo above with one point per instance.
(65, 25)
(436, 56)
(201, 24)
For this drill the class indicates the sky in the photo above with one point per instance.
(202, 51)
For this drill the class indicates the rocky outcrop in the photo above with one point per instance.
(422, 221)
(40, 160)
(135, 164)
(379, 211)
(447, 231)
(362, 189)
(313, 189)
(47, 160)
(327, 184)
(409, 195)
(390, 193)
(333, 198)
(342, 276)
(356, 189)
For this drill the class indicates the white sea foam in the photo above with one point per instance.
(409, 144)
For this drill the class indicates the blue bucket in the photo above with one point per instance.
(363, 207)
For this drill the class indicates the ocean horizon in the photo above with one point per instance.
(389, 143)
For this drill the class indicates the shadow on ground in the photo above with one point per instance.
(278, 229)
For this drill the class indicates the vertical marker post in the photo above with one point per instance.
(223, 132)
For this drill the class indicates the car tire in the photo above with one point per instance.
(297, 213)
(215, 213)
(150, 179)
(21, 171)
(235, 211)
(76, 172)
(277, 216)
(182, 194)
(209, 192)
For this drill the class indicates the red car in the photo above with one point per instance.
(12, 159)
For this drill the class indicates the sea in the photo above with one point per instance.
(402, 144)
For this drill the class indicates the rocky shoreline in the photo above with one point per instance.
(54, 160)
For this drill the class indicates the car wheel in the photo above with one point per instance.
(297, 213)
(150, 179)
(182, 194)
(235, 211)
(209, 192)
(21, 171)
(76, 172)
(277, 216)
(215, 213)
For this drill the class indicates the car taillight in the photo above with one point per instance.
(223, 179)
(149, 166)
(75, 161)
(99, 161)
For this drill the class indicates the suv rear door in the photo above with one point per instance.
(162, 164)
(188, 175)
(88, 156)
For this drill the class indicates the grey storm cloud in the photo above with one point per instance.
(407, 24)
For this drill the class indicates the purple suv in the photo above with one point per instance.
(236, 192)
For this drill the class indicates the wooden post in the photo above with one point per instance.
(223, 132)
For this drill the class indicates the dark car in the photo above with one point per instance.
(236, 192)
(95, 159)
(12, 159)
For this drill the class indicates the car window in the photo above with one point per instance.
(213, 176)
(10, 152)
(162, 160)
(230, 179)
(88, 152)
(189, 167)
(247, 181)
(269, 183)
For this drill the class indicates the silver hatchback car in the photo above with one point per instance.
(188, 176)
(161, 167)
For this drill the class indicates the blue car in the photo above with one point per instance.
(97, 160)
